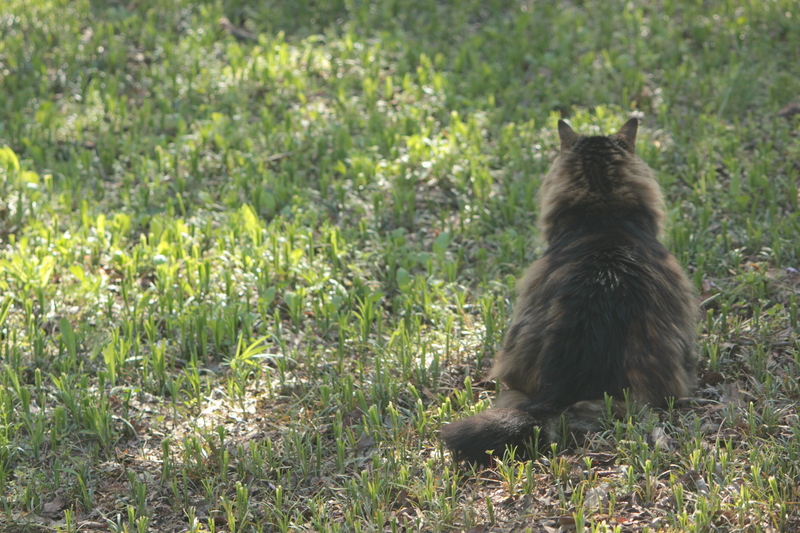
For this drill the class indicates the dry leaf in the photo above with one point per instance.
(365, 442)
(660, 438)
(240, 34)
(54, 506)
(712, 378)
(790, 110)
(597, 497)
(566, 520)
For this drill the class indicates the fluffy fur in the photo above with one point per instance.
(607, 309)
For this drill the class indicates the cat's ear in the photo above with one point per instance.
(567, 135)
(628, 134)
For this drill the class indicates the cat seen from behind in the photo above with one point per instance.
(607, 310)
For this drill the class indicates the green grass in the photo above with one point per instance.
(243, 283)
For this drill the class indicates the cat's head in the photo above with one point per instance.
(598, 177)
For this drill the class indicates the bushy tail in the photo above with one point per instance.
(471, 439)
(479, 437)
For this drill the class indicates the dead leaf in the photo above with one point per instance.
(731, 394)
(789, 110)
(351, 418)
(54, 506)
(239, 33)
(93, 525)
(602, 458)
(402, 498)
(406, 514)
(526, 502)
(709, 284)
(566, 520)
(597, 497)
(660, 438)
(694, 480)
(365, 442)
(712, 378)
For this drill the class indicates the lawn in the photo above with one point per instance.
(254, 254)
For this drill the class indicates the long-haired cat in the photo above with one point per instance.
(607, 309)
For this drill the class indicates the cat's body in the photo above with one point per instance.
(607, 309)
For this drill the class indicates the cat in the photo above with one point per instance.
(607, 310)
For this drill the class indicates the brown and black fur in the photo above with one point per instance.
(607, 309)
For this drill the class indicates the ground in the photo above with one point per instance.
(253, 256)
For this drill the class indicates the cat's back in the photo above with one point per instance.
(598, 271)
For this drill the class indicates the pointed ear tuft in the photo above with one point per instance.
(567, 135)
(628, 133)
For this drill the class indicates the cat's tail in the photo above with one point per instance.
(479, 437)
(476, 438)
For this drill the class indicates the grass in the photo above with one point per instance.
(245, 281)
